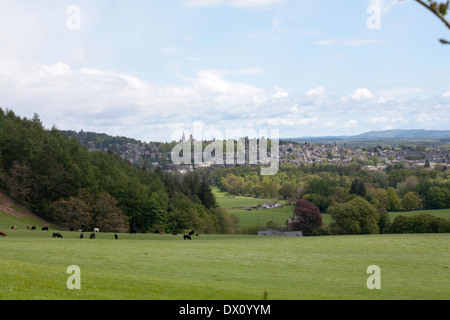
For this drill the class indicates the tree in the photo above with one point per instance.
(422, 223)
(36, 119)
(72, 213)
(357, 216)
(358, 187)
(411, 201)
(398, 225)
(437, 198)
(108, 217)
(21, 182)
(206, 195)
(307, 217)
(393, 201)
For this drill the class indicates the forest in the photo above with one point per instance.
(61, 181)
(395, 189)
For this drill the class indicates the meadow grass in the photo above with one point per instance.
(33, 265)
(234, 205)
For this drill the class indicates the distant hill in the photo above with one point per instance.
(402, 134)
(397, 135)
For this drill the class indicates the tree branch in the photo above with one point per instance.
(440, 16)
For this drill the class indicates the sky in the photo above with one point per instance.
(152, 69)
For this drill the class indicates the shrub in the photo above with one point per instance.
(422, 223)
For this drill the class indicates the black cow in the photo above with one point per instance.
(81, 236)
(44, 228)
(132, 231)
(116, 236)
(191, 233)
(33, 228)
(57, 235)
(92, 236)
(187, 237)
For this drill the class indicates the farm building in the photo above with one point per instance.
(272, 232)
(270, 205)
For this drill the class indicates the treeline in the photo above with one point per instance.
(63, 182)
(395, 189)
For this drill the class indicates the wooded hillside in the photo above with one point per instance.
(61, 181)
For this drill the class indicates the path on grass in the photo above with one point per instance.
(8, 205)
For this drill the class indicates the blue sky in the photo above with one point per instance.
(151, 69)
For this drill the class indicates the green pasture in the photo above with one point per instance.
(33, 265)
(233, 205)
(7, 221)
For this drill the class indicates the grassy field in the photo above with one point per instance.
(280, 215)
(234, 205)
(33, 265)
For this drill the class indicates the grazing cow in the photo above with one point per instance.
(14, 228)
(44, 228)
(187, 237)
(28, 227)
(33, 228)
(133, 231)
(3, 234)
(174, 233)
(116, 236)
(197, 235)
(57, 235)
(96, 230)
(191, 233)
(92, 236)
(81, 235)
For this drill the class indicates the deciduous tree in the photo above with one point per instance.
(307, 217)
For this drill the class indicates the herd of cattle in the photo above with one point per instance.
(92, 235)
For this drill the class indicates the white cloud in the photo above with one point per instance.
(97, 98)
(362, 94)
(125, 104)
(280, 93)
(350, 124)
(316, 91)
